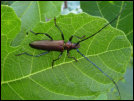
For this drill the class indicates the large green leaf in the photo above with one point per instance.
(33, 12)
(26, 77)
(109, 9)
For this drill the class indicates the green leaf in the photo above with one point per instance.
(10, 26)
(108, 10)
(33, 78)
(33, 12)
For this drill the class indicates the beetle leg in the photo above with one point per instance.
(58, 28)
(70, 39)
(68, 54)
(44, 34)
(33, 55)
(57, 59)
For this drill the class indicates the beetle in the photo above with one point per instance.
(54, 45)
(60, 45)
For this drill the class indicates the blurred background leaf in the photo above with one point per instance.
(108, 10)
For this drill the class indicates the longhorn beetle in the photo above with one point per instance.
(60, 45)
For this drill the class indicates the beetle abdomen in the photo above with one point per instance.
(50, 45)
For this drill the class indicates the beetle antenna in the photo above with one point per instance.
(101, 71)
(62, 35)
(103, 26)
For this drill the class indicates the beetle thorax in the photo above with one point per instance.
(69, 45)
